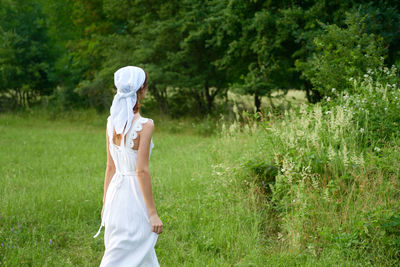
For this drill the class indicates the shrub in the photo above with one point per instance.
(342, 53)
(375, 103)
(326, 192)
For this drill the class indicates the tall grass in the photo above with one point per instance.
(310, 186)
(330, 196)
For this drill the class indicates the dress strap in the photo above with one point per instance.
(109, 129)
(126, 137)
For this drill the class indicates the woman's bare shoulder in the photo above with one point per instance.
(148, 125)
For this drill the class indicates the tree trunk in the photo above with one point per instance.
(200, 103)
(160, 94)
(18, 97)
(257, 102)
(209, 98)
(26, 104)
(29, 97)
(313, 96)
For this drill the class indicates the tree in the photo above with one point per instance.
(342, 54)
(27, 59)
(194, 62)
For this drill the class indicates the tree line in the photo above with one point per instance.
(195, 51)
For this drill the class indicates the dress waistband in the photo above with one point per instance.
(125, 172)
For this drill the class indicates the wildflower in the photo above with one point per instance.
(2, 244)
(351, 78)
(51, 241)
(328, 112)
(263, 183)
(377, 149)
(345, 158)
(333, 90)
(366, 75)
(328, 98)
(12, 229)
(331, 153)
(280, 236)
(362, 130)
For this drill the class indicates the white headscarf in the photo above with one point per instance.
(128, 80)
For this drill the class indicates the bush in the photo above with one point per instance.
(328, 190)
(375, 103)
(342, 53)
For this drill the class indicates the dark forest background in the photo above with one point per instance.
(62, 54)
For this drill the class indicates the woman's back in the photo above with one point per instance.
(124, 150)
(128, 238)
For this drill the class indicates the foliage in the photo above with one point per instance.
(333, 191)
(200, 49)
(26, 58)
(375, 104)
(258, 54)
(342, 53)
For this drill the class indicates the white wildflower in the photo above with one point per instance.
(331, 153)
(345, 156)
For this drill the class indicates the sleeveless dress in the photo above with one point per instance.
(128, 238)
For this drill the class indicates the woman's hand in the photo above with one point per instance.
(156, 224)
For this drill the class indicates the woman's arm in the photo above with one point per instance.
(110, 170)
(144, 175)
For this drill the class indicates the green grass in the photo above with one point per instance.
(213, 208)
(52, 185)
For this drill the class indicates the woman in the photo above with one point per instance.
(129, 215)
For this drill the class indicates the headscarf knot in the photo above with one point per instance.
(128, 81)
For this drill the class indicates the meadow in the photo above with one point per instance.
(52, 185)
(277, 129)
(302, 187)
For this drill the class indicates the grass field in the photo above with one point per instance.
(52, 178)
(213, 208)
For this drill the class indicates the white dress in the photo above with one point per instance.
(128, 238)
